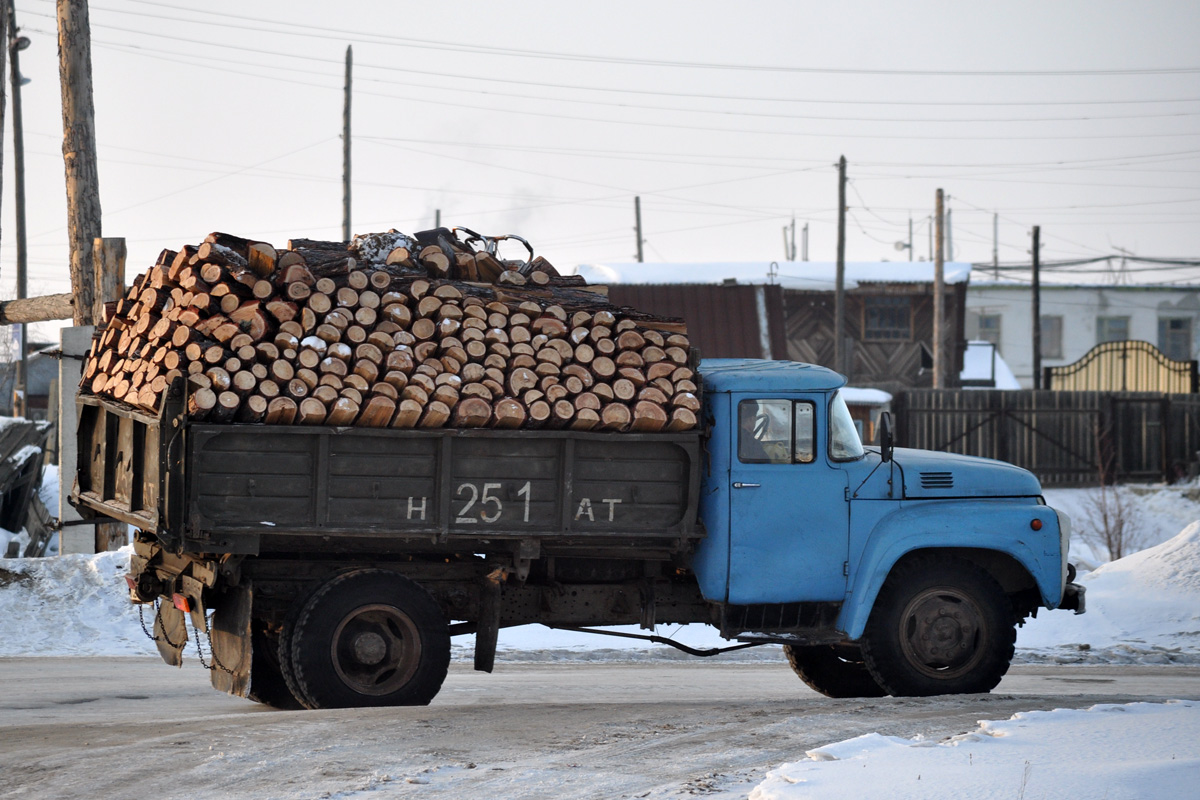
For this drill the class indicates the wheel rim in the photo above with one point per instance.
(941, 633)
(376, 649)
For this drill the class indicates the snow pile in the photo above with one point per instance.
(1144, 608)
(69, 605)
(1156, 512)
(1130, 751)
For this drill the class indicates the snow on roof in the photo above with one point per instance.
(982, 362)
(811, 275)
(865, 397)
(1050, 283)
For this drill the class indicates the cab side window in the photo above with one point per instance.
(806, 432)
(776, 432)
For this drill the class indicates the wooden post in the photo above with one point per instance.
(939, 303)
(839, 298)
(79, 149)
(1037, 307)
(346, 150)
(108, 264)
(3, 61)
(75, 343)
(52, 415)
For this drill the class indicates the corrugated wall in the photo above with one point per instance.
(723, 321)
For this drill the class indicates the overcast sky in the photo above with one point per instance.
(546, 119)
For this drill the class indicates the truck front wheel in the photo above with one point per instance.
(941, 625)
(834, 671)
(368, 638)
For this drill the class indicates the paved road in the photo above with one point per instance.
(106, 727)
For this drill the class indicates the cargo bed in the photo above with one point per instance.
(252, 488)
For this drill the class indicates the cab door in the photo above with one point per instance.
(789, 514)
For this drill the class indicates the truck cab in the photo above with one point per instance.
(905, 567)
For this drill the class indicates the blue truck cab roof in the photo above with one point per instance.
(757, 375)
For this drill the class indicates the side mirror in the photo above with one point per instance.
(886, 439)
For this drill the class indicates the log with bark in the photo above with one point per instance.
(389, 330)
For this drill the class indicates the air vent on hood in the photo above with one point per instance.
(937, 480)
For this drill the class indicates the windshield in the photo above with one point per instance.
(844, 444)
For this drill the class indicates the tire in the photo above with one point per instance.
(941, 625)
(833, 671)
(267, 685)
(368, 638)
(283, 649)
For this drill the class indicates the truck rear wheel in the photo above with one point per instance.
(833, 671)
(941, 625)
(367, 638)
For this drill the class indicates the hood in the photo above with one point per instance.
(928, 475)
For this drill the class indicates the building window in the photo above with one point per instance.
(887, 319)
(1175, 337)
(1052, 337)
(989, 328)
(1112, 329)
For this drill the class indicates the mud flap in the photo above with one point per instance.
(488, 631)
(231, 642)
(170, 634)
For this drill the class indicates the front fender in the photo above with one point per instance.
(1001, 525)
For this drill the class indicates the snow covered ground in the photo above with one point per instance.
(1142, 609)
(1135, 751)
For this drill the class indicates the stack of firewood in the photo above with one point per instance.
(389, 331)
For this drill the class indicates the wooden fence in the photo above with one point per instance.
(1071, 438)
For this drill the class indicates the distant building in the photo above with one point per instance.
(985, 368)
(786, 310)
(43, 368)
(1078, 317)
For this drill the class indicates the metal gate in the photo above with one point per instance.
(1124, 366)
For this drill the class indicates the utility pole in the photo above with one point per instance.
(910, 241)
(930, 220)
(949, 234)
(804, 243)
(789, 241)
(15, 45)
(996, 245)
(79, 149)
(939, 281)
(3, 60)
(637, 215)
(839, 301)
(346, 149)
(437, 218)
(1037, 307)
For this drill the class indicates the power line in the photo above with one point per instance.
(394, 40)
(688, 95)
(175, 58)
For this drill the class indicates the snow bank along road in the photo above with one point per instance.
(130, 727)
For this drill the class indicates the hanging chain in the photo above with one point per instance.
(158, 623)
(216, 662)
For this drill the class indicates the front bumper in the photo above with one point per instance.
(1074, 598)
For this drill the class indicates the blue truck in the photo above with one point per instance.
(330, 567)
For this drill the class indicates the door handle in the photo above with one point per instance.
(740, 485)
